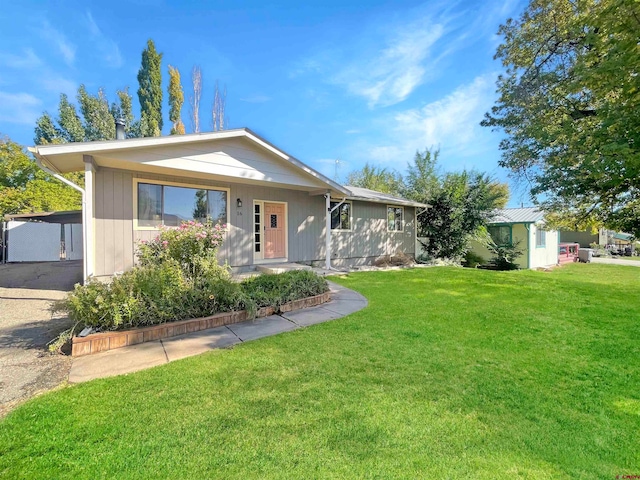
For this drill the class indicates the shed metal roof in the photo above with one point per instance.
(71, 216)
(517, 215)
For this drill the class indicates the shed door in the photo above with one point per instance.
(274, 231)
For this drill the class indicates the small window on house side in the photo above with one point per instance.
(395, 219)
(501, 235)
(341, 216)
(541, 238)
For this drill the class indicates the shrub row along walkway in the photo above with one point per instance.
(145, 355)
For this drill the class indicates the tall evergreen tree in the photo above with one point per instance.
(46, 131)
(150, 91)
(176, 99)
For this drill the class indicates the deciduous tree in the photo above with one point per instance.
(376, 178)
(569, 105)
(25, 188)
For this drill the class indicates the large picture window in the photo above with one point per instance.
(341, 216)
(501, 235)
(395, 219)
(169, 205)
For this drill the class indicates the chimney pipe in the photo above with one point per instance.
(120, 133)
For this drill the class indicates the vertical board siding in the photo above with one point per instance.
(115, 237)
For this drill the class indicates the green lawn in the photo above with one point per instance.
(449, 373)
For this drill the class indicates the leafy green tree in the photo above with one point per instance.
(422, 176)
(150, 91)
(98, 120)
(25, 188)
(176, 99)
(569, 105)
(46, 131)
(70, 124)
(459, 204)
(376, 178)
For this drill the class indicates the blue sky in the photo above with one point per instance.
(325, 81)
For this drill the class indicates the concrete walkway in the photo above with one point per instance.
(138, 357)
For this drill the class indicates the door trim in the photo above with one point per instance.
(258, 257)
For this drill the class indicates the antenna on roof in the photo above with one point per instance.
(335, 175)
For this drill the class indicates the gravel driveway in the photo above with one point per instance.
(27, 325)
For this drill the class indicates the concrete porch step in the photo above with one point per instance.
(281, 267)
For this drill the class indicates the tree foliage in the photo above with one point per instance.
(150, 91)
(570, 107)
(25, 188)
(459, 203)
(376, 178)
(176, 99)
(98, 121)
(94, 121)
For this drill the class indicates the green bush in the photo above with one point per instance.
(141, 296)
(275, 290)
(472, 260)
(506, 256)
(179, 278)
(152, 295)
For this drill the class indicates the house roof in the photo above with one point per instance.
(364, 194)
(517, 215)
(69, 157)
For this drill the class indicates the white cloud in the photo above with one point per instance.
(451, 123)
(64, 46)
(27, 60)
(107, 47)
(390, 73)
(21, 108)
(453, 120)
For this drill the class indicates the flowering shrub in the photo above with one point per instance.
(179, 278)
(193, 246)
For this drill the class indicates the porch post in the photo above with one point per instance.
(87, 217)
(327, 198)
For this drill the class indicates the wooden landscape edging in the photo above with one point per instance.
(101, 342)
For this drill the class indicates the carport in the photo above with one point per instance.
(41, 237)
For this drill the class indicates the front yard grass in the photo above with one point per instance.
(449, 373)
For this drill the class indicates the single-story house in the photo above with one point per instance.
(276, 209)
(526, 226)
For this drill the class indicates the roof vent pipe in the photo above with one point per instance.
(120, 133)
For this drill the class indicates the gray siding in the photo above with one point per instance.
(115, 237)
